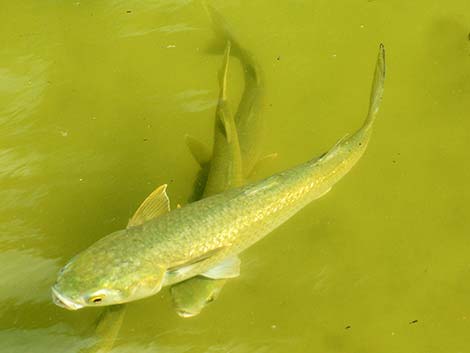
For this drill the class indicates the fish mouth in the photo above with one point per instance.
(186, 313)
(63, 301)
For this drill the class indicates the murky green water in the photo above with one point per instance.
(95, 101)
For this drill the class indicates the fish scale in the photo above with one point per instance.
(236, 219)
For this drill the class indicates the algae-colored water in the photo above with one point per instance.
(95, 101)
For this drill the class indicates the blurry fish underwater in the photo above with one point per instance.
(233, 158)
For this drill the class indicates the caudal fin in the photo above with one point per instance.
(377, 88)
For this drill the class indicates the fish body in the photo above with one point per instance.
(206, 236)
(226, 224)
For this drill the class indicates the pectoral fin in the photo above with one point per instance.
(181, 269)
(155, 205)
(200, 151)
(151, 283)
(229, 268)
(323, 193)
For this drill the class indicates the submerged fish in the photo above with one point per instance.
(225, 166)
(248, 119)
(224, 171)
(161, 248)
(106, 329)
(233, 157)
(190, 297)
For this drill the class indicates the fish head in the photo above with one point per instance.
(76, 288)
(100, 297)
(105, 274)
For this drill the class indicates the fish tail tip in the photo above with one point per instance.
(377, 87)
(382, 56)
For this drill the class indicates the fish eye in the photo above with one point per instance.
(97, 299)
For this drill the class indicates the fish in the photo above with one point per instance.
(194, 294)
(106, 329)
(225, 171)
(248, 117)
(221, 169)
(162, 247)
(190, 297)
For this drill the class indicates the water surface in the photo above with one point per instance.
(95, 101)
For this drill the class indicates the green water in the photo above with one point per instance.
(95, 101)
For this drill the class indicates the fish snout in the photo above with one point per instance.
(63, 301)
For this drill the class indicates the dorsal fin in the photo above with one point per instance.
(155, 205)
